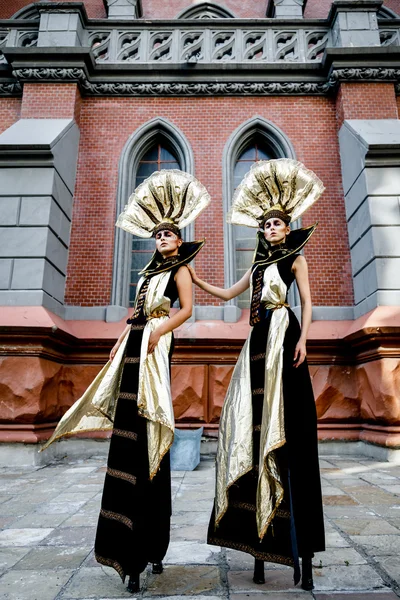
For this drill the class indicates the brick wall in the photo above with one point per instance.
(160, 9)
(319, 9)
(95, 8)
(106, 124)
(10, 109)
(51, 101)
(366, 101)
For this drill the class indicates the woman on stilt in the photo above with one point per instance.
(268, 494)
(132, 393)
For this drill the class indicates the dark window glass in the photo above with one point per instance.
(245, 236)
(155, 159)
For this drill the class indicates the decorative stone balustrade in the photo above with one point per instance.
(264, 44)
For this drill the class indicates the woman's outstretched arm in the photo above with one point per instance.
(241, 286)
(119, 342)
(185, 293)
(300, 270)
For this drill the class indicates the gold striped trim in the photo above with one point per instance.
(257, 356)
(244, 505)
(127, 396)
(130, 435)
(138, 327)
(108, 514)
(260, 555)
(121, 475)
(132, 359)
(258, 392)
(109, 562)
(283, 514)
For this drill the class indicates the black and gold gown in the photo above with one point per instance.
(132, 397)
(284, 519)
(134, 522)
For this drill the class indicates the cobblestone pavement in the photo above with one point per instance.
(48, 517)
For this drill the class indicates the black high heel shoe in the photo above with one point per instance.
(134, 583)
(158, 568)
(258, 576)
(307, 582)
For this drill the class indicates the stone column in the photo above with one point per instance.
(38, 157)
(124, 9)
(355, 24)
(370, 153)
(285, 9)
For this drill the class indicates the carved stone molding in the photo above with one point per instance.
(50, 74)
(171, 88)
(211, 88)
(11, 89)
(365, 74)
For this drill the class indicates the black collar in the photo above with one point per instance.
(265, 254)
(158, 264)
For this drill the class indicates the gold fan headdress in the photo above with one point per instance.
(169, 199)
(281, 187)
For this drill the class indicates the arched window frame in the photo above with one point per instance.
(387, 13)
(274, 137)
(206, 10)
(137, 145)
(29, 12)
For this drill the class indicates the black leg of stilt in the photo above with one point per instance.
(306, 573)
(134, 583)
(258, 576)
(157, 568)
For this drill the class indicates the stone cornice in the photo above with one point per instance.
(78, 65)
(363, 346)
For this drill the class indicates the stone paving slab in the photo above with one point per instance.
(387, 595)
(33, 585)
(48, 517)
(62, 557)
(185, 581)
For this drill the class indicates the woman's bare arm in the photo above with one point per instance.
(300, 270)
(238, 288)
(185, 293)
(119, 342)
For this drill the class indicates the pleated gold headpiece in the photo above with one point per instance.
(281, 188)
(168, 199)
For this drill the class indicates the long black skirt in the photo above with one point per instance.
(134, 522)
(297, 528)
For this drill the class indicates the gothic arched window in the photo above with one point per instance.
(156, 158)
(256, 139)
(245, 237)
(157, 144)
(206, 10)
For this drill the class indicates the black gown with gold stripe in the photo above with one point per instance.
(134, 522)
(297, 528)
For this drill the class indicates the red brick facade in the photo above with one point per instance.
(10, 110)
(160, 9)
(50, 101)
(360, 101)
(106, 124)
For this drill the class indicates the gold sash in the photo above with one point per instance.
(235, 441)
(95, 410)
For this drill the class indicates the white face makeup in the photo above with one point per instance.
(167, 243)
(275, 231)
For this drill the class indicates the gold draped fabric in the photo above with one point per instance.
(95, 410)
(235, 443)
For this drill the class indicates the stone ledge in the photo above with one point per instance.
(28, 455)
